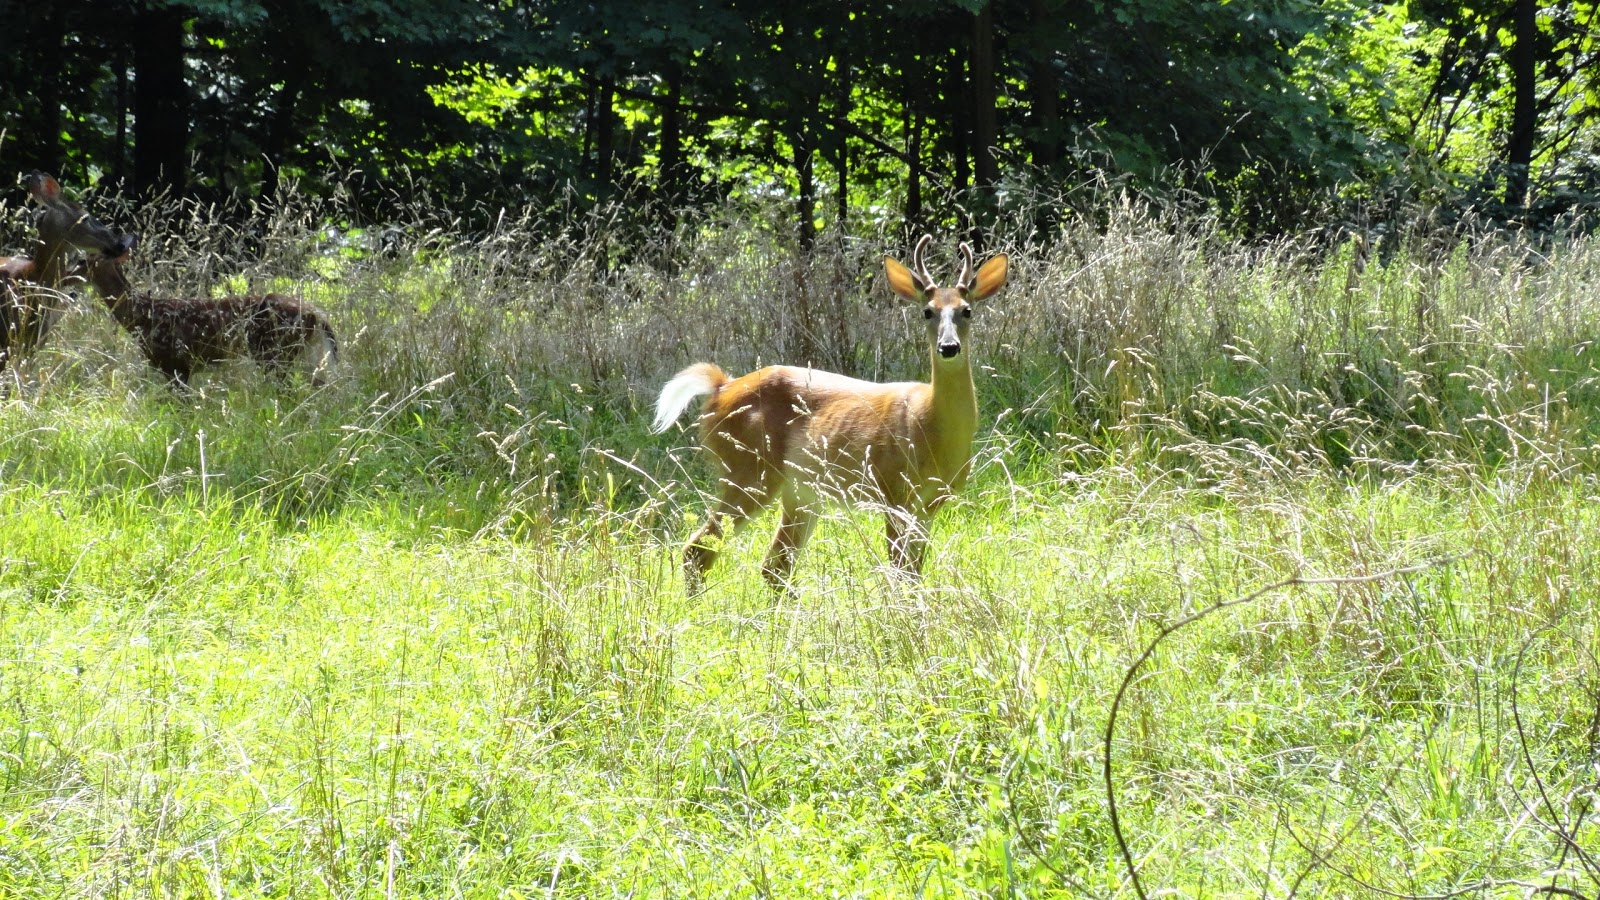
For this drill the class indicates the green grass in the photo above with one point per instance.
(423, 633)
(199, 695)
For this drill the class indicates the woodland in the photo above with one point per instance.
(1265, 112)
(1277, 573)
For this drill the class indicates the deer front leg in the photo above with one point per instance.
(794, 529)
(908, 541)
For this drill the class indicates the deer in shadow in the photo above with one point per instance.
(31, 296)
(177, 334)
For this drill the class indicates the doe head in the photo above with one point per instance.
(63, 223)
(947, 310)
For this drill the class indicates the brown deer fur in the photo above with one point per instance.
(175, 334)
(801, 436)
(30, 286)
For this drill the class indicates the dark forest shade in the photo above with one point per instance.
(160, 106)
(1524, 109)
(1260, 105)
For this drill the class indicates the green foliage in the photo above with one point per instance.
(422, 633)
(1265, 110)
(371, 700)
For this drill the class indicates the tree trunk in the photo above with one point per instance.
(281, 128)
(843, 86)
(588, 123)
(805, 173)
(843, 166)
(1045, 94)
(672, 174)
(119, 170)
(913, 125)
(984, 128)
(47, 66)
(1524, 110)
(914, 171)
(842, 161)
(160, 100)
(960, 124)
(605, 136)
(672, 183)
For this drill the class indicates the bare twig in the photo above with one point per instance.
(1168, 630)
(1568, 841)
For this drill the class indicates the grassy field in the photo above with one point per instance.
(422, 633)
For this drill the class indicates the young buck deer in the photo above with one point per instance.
(30, 286)
(802, 436)
(275, 330)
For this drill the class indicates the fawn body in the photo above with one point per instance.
(30, 286)
(802, 436)
(176, 334)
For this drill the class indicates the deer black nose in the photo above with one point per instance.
(949, 350)
(120, 246)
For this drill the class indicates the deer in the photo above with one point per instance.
(176, 334)
(31, 285)
(802, 437)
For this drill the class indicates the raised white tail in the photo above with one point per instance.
(324, 355)
(698, 379)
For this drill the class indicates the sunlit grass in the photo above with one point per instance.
(423, 632)
(200, 694)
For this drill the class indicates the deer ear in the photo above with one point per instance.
(42, 187)
(901, 281)
(991, 277)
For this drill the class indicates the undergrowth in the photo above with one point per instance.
(423, 633)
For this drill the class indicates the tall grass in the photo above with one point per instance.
(1332, 351)
(422, 633)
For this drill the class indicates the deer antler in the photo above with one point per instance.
(919, 265)
(964, 281)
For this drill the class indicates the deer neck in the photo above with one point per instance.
(111, 283)
(50, 258)
(952, 417)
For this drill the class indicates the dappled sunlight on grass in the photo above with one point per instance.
(424, 631)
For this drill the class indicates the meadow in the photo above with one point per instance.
(1315, 519)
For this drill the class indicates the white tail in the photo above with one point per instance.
(324, 355)
(698, 379)
(801, 436)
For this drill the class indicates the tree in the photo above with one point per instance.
(160, 97)
(1509, 104)
(1265, 107)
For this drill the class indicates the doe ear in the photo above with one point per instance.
(991, 277)
(901, 281)
(42, 187)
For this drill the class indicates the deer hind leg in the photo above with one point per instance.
(798, 520)
(177, 376)
(176, 368)
(272, 343)
(276, 366)
(741, 498)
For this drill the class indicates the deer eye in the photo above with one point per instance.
(927, 312)
(966, 312)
